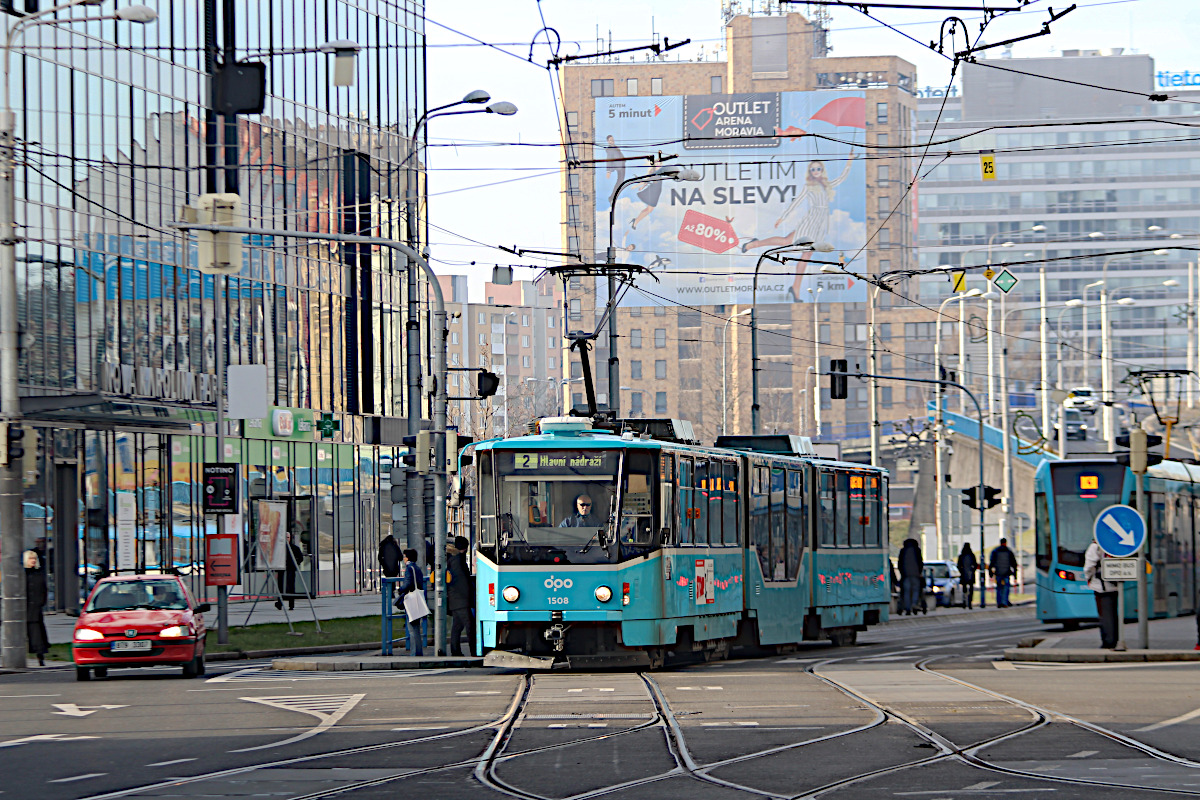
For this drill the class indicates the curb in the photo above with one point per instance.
(374, 663)
(1064, 656)
(1017, 611)
(312, 650)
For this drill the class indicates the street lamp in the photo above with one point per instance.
(770, 252)
(672, 173)
(724, 370)
(12, 574)
(1106, 389)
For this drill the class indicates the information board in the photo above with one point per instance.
(220, 482)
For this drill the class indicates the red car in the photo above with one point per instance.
(139, 621)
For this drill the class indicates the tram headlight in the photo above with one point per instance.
(511, 594)
(603, 594)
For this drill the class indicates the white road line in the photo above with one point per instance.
(699, 688)
(1083, 754)
(44, 737)
(7, 696)
(424, 728)
(169, 763)
(1167, 722)
(329, 709)
(473, 693)
(79, 777)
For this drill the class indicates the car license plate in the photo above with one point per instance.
(142, 644)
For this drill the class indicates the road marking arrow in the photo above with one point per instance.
(44, 737)
(72, 710)
(1125, 536)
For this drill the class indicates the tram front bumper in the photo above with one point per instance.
(567, 616)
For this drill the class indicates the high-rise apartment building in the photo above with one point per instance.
(790, 145)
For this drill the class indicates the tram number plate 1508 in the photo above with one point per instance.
(1118, 569)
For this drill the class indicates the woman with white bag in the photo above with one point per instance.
(412, 593)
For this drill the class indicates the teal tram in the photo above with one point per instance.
(1069, 495)
(599, 548)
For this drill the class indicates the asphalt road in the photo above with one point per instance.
(920, 711)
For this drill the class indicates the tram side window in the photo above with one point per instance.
(825, 523)
(760, 530)
(778, 526)
(700, 503)
(1041, 511)
(715, 484)
(842, 518)
(795, 522)
(729, 502)
(685, 501)
(666, 476)
(487, 502)
(877, 508)
(858, 510)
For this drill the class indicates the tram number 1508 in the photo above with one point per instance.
(558, 601)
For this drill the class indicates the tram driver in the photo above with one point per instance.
(583, 516)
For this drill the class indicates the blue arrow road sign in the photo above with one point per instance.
(1119, 530)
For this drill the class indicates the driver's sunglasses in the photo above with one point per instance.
(586, 505)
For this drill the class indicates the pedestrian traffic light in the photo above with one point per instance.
(14, 447)
(487, 383)
(991, 497)
(1139, 442)
(837, 379)
(971, 497)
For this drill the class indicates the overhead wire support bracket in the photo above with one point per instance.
(969, 53)
(657, 49)
(862, 7)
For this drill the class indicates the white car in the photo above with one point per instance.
(1081, 398)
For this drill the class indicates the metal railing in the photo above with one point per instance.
(389, 613)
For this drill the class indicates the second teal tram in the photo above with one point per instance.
(597, 548)
(1068, 497)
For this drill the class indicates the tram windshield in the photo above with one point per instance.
(1081, 492)
(560, 506)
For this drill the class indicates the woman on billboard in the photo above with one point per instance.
(813, 227)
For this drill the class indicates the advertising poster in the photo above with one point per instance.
(272, 535)
(764, 183)
(126, 531)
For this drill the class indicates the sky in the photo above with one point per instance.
(490, 183)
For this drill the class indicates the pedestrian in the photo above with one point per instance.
(390, 557)
(286, 577)
(460, 594)
(1003, 567)
(912, 577)
(413, 580)
(1106, 596)
(35, 601)
(967, 565)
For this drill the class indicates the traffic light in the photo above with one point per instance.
(991, 497)
(1138, 442)
(837, 379)
(424, 451)
(14, 447)
(971, 497)
(487, 383)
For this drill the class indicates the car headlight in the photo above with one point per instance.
(603, 594)
(173, 632)
(511, 594)
(88, 635)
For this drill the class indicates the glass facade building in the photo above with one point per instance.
(120, 330)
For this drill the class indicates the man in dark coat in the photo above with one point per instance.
(286, 577)
(912, 577)
(1003, 566)
(967, 565)
(390, 557)
(35, 601)
(460, 594)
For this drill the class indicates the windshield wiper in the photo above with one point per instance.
(588, 546)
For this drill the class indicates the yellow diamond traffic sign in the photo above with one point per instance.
(989, 273)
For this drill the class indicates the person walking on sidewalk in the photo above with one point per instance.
(390, 556)
(460, 595)
(967, 566)
(1003, 566)
(413, 581)
(912, 577)
(35, 601)
(286, 577)
(1106, 596)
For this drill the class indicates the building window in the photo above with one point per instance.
(525, 323)
(635, 338)
(885, 364)
(660, 402)
(572, 121)
(602, 87)
(635, 312)
(550, 362)
(823, 333)
(454, 378)
(660, 369)
(482, 318)
(885, 237)
(550, 323)
(635, 370)
(882, 139)
(635, 403)
(881, 113)
(660, 337)
(885, 332)
(573, 214)
(576, 370)
(660, 311)
(576, 400)
(576, 313)
(656, 87)
(885, 204)
(524, 341)
(453, 337)
(631, 87)
(454, 359)
(714, 84)
(483, 338)
(573, 244)
(572, 183)
(525, 362)
(883, 172)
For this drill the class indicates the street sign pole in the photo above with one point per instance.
(1138, 463)
(1121, 532)
(1121, 618)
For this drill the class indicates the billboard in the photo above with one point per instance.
(765, 183)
